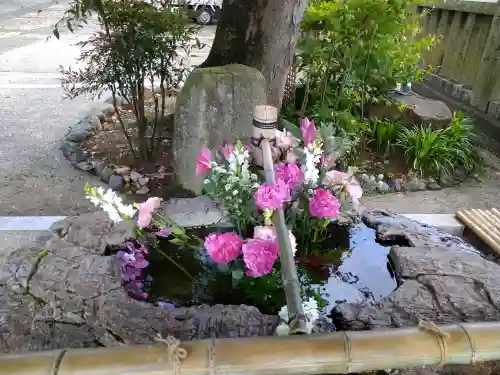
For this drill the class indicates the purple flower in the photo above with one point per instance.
(164, 232)
(132, 261)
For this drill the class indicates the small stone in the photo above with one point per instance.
(77, 135)
(383, 187)
(78, 156)
(94, 122)
(84, 166)
(415, 185)
(68, 147)
(134, 176)
(142, 191)
(433, 185)
(99, 167)
(123, 170)
(447, 180)
(398, 185)
(126, 178)
(115, 182)
(143, 181)
(106, 174)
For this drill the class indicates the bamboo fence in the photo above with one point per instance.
(334, 353)
(485, 224)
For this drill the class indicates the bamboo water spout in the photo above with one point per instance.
(335, 353)
(264, 132)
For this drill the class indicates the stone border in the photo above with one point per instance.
(180, 210)
(115, 177)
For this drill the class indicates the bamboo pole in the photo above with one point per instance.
(334, 353)
(264, 131)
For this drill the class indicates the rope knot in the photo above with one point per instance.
(176, 354)
(441, 336)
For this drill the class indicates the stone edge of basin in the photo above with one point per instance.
(446, 222)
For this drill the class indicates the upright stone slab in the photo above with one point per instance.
(214, 105)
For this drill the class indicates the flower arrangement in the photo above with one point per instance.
(312, 195)
(310, 192)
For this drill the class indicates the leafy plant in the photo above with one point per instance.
(139, 47)
(384, 134)
(437, 151)
(352, 52)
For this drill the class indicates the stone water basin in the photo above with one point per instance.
(354, 269)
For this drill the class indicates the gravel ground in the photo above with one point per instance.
(34, 178)
(481, 194)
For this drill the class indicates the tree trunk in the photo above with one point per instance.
(261, 34)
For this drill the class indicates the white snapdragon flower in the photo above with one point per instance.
(312, 157)
(311, 313)
(110, 202)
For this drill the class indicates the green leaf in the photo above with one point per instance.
(177, 242)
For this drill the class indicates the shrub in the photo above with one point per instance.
(442, 151)
(352, 52)
(139, 47)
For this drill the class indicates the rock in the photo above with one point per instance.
(415, 185)
(99, 168)
(67, 148)
(397, 184)
(123, 170)
(447, 180)
(143, 181)
(441, 278)
(116, 182)
(119, 100)
(74, 299)
(106, 174)
(195, 212)
(383, 187)
(84, 166)
(134, 176)
(418, 110)
(214, 105)
(77, 156)
(81, 130)
(433, 185)
(142, 191)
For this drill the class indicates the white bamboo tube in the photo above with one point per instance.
(335, 353)
(264, 131)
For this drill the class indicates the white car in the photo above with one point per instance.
(204, 12)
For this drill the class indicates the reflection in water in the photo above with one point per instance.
(363, 272)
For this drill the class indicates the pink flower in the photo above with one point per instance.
(289, 174)
(269, 233)
(271, 196)
(308, 131)
(353, 187)
(324, 205)
(223, 247)
(203, 161)
(259, 256)
(226, 150)
(146, 211)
